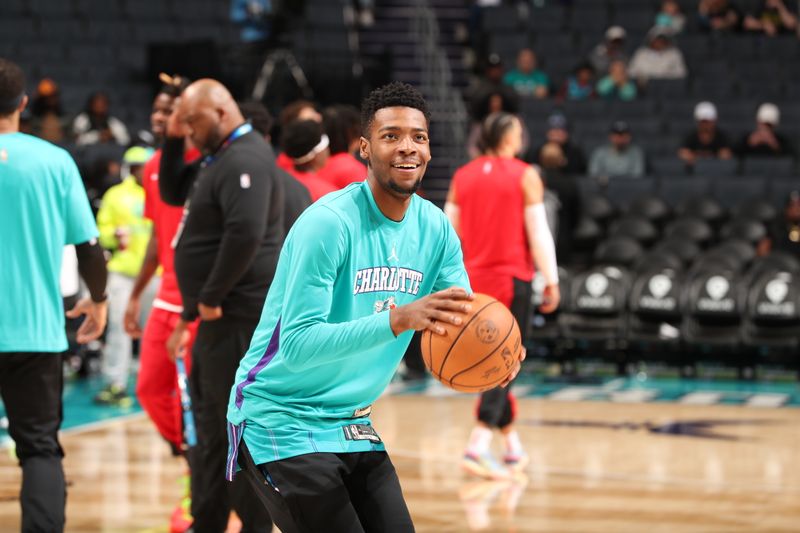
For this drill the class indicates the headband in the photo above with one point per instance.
(323, 143)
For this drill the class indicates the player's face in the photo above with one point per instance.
(398, 150)
(162, 107)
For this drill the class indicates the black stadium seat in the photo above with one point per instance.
(771, 328)
(691, 229)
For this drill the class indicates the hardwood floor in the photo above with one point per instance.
(595, 467)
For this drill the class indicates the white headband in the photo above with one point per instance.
(323, 143)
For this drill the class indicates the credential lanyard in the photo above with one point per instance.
(244, 129)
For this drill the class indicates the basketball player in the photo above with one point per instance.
(495, 204)
(157, 382)
(360, 271)
(306, 143)
(45, 208)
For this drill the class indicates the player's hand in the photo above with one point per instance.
(178, 341)
(551, 299)
(522, 354)
(443, 306)
(96, 314)
(175, 126)
(131, 320)
(208, 313)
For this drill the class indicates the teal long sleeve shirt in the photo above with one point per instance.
(324, 350)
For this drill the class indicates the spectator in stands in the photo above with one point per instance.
(718, 16)
(784, 232)
(617, 85)
(490, 82)
(47, 115)
(342, 125)
(764, 140)
(306, 143)
(580, 84)
(254, 20)
(612, 49)
(670, 18)
(125, 232)
(660, 59)
(501, 98)
(297, 110)
(619, 157)
(95, 125)
(571, 159)
(772, 17)
(527, 79)
(706, 140)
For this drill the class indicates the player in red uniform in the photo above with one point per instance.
(305, 143)
(495, 204)
(157, 382)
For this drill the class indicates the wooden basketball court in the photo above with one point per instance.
(595, 467)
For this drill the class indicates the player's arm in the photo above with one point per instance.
(540, 240)
(106, 225)
(245, 221)
(146, 273)
(316, 249)
(81, 230)
(451, 208)
(175, 177)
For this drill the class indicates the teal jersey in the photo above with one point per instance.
(44, 208)
(323, 350)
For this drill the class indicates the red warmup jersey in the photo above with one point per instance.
(166, 219)
(489, 194)
(285, 162)
(317, 187)
(343, 169)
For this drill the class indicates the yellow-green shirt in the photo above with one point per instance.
(123, 209)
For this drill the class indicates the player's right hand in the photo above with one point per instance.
(131, 320)
(428, 312)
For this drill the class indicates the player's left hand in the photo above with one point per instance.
(208, 313)
(522, 354)
(95, 322)
(178, 341)
(551, 299)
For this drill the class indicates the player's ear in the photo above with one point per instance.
(363, 148)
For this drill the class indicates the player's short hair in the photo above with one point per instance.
(493, 129)
(257, 115)
(173, 86)
(342, 124)
(298, 138)
(395, 94)
(12, 86)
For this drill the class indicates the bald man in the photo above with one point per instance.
(226, 251)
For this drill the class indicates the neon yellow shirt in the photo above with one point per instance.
(122, 211)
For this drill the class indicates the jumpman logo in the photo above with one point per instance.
(393, 254)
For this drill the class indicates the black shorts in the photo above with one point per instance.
(331, 492)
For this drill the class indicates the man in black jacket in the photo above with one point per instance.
(226, 251)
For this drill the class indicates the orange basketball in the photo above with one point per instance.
(479, 354)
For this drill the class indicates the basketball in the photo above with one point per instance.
(477, 355)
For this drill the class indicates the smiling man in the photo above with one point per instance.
(361, 269)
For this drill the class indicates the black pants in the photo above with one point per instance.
(217, 349)
(330, 492)
(496, 407)
(31, 385)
